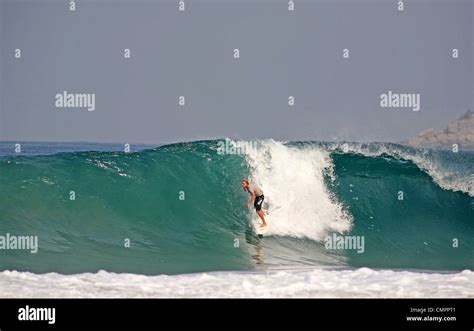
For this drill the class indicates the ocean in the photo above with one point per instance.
(171, 220)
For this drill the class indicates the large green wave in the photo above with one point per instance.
(182, 209)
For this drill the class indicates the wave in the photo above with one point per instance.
(451, 171)
(182, 210)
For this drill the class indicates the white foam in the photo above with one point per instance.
(292, 179)
(316, 283)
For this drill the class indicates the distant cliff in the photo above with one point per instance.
(460, 132)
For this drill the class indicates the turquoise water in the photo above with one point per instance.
(183, 210)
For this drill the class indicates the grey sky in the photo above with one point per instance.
(190, 53)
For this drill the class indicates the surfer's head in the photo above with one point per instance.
(245, 183)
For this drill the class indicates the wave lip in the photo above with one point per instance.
(451, 171)
(317, 283)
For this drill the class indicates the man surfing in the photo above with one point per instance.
(256, 195)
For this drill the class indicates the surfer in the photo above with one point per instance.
(256, 195)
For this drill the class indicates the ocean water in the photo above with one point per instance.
(183, 211)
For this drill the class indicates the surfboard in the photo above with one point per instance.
(259, 230)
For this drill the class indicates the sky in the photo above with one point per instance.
(191, 53)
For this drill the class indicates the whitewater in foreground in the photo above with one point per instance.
(317, 283)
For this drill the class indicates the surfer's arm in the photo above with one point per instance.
(252, 197)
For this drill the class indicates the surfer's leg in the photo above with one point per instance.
(258, 209)
(262, 217)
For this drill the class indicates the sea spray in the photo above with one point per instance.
(294, 179)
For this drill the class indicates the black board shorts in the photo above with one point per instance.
(258, 202)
